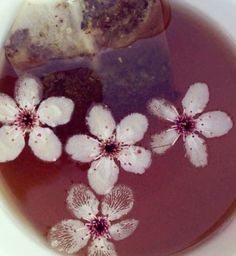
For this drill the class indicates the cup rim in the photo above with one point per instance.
(30, 243)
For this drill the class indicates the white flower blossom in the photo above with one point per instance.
(112, 143)
(70, 236)
(26, 116)
(189, 124)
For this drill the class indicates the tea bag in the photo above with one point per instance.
(118, 23)
(48, 30)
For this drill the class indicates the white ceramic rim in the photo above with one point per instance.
(17, 240)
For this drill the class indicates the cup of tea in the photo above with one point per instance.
(117, 127)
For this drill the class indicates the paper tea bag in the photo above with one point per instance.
(118, 23)
(47, 30)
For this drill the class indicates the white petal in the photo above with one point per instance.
(132, 128)
(196, 99)
(100, 122)
(8, 109)
(55, 111)
(196, 150)
(123, 229)
(69, 236)
(118, 202)
(101, 247)
(214, 124)
(163, 141)
(83, 148)
(82, 202)
(28, 91)
(102, 175)
(135, 159)
(163, 109)
(12, 143)
(45, 144)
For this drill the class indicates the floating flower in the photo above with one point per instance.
(210, 124)
(111, 143)
(70, 236)
(26, 116)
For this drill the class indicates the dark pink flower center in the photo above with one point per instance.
(98, 227)
(185, 125)
(26, 120)
(110, 148)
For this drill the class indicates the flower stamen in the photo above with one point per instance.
(26, 120)
(185, 125)
(99, 227)
(110, 148)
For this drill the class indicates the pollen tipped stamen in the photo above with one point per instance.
(26, 120)
(99, 227)
(185, 125)
(111, 148)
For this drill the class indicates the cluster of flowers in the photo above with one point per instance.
(110, 144)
